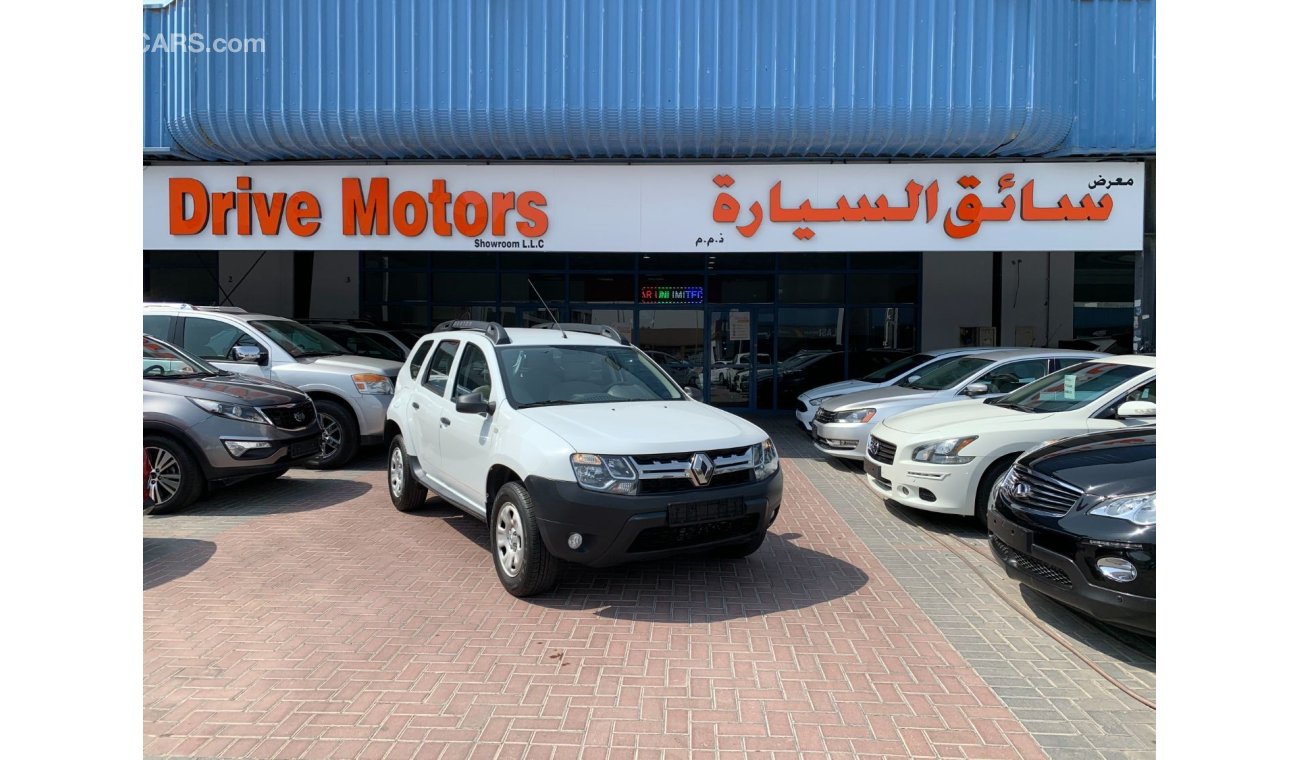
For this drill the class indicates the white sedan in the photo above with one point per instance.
(948, 458)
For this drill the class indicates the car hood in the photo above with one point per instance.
(963, 413)
(352, 364)
(645, 427)
(1109, 463)
(839, 389)
(233, 387)
(882, 395)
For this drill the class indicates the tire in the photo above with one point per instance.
(984, 497)
(406, 493)
(523, 564)
(339, 436)
(740, 551)
(175, 479)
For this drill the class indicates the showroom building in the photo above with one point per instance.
(764, 186)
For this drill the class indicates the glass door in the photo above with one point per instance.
(675, 339)
(739, 357)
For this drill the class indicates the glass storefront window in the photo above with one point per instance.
(607, 288)
(602, 261)
(515, 287)
(530, 261)
(883, 287)
(415, 315)
(465, 286)
(748, 262)
(662, 262)
(804, 262)
(885, 260)
(812, 288)
(384, 285)
(740, 289)
(619, 319)
(395, 260)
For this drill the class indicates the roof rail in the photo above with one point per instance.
(493, 330)
(602, 330)
(166, 305)
(220, 309)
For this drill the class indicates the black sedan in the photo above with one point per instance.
(1076, 520)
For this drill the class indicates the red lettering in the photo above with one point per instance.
(502, 205)
(304, 214)
(269, 212)
(530, 208)
(465, 201)
(178, 190)
(410, 224)
(222, 203)
(439, 199)
(368, 213)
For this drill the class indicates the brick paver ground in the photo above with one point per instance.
(308, 618)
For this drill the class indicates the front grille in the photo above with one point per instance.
(666, 537)
(825, 415)
(1044, 494)
(671, 485)
(800, 405)
(668, 473)
(1023, 561)
(884, 452)
(282, 416)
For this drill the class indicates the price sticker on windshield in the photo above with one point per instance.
(1069, 387)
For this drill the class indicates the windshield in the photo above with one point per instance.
(361, 344)
(946, 374)
(297, 340)
(899, 368)
(1071, 388)
(162, 360)
(546, 375)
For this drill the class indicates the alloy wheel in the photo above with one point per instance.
(396, 472)
(331, 435)
(510, 540)
(164, 475)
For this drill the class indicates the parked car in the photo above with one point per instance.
(1076, 520)
(795, 376)
(678, 369)
(400, 338)
(205, 425)
(843, 425)
(361, 342)
(729, 373)
(351, 392)
(808, 402)
(577, 449)
(948, 458)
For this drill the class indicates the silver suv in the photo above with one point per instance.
(352, 393)
(205, 425)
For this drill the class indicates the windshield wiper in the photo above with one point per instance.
(310, 354)
(556, 402)
(1011, 405)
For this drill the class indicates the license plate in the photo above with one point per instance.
(873, 470)
(304, 449)
(1011, 534)
(704, 511)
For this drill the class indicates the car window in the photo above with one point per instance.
(299, 341)
(210, 339)
(435, 379)
(1145, 392)
(1072, 388)
(165, 361)
(1013, 375)
(158, 325)
(417, 358)
(472, 374)
(899, 368)
(544, 375)
(946, 374)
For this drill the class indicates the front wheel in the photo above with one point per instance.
(339, 436)
(988, 492)
(406, 493)
(174, 480)
(523, 564)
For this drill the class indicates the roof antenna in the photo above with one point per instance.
(548, 309)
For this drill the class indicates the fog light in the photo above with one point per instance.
(1116, 569)
(239, 448)
(575, 540)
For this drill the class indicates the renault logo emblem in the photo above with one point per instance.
(701, 471)
(1022, 490)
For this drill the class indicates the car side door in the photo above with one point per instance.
(429, 406)
(466, 437)
(1010, 375)
(1106, 418)
(215, 341)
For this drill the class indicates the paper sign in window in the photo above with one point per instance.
(1069, 387)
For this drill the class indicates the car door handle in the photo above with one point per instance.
(415, 404)
(445, 422)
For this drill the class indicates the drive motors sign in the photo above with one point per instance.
(661, 208)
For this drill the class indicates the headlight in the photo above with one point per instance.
(944, 452)
(373, 384)
(604, 473)
(816, 402)
(233, 411)
(1139, 509)
(855, 415)
(765, 459)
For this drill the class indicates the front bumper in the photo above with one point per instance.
(847, 440)
(222, 466)
(1035, 555)
(618, 529)
(372, 412)
(932, 487)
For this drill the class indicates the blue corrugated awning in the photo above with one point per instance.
(573, 79)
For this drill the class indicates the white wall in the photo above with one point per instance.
(956, 291)
(1037, 298)
(335, 286)
(268, 287)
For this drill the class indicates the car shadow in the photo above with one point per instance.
(166, 559)
(284, 495)
(1129, 647)
(688, 588)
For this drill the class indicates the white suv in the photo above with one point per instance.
(351, 392)
(573, 446)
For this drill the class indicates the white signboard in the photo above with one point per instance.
(739, 325)
(646, 207)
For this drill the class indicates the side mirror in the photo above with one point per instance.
(1136, 409)
(694, 393)
(976, 389)
(473, 403)
(248, 354)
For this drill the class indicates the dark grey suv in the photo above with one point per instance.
(206, 425)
